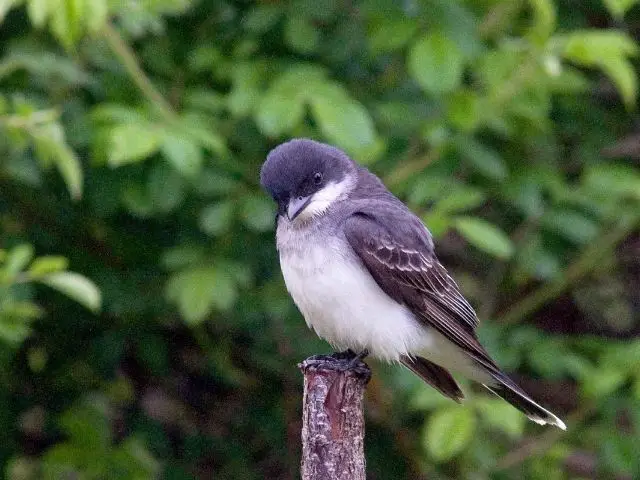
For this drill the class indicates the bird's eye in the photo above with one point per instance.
(317, 178)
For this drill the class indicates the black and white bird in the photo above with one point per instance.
(363, 272)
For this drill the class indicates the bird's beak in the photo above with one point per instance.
(297, 205)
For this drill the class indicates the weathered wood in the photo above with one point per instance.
(333, 419)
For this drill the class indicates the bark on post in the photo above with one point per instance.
(333, 419)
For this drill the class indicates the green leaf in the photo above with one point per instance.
(258, 213)
(18, 258)
(344, 122)
(38, 11)
(51, 147)
(216, 219)
(464, 110)
(485, 236)
(618, 8)
(245, 94)
(571, 225)
(636, 389)
(300, 34)
(165, 188)
(484, 159)
(76, 287)
(13, 330)
(183, 154)
(198, 128)
(546, 357)
(66, 21)
(182, 256)
(211, 182)
(204, 100)
(48, 264)
(96, 15)
(132, 142)
(459, 199)
(535, 260)
(20, 311)
(262, 17)
(426, 399)
(525, 193)
(279, 113)
(438, 222)
(603, 382)
(436, 63)
(623, 74)
(197, 291)
(87, 425)
(136, 198)
(592, 47)
(110, 113)
(612, 180)
(448, 431)
(391, 34)
(59, 459)
(69, 167)
(608, 50)
(301, 80)
(6, 5)
(544, 20)
(498, 414)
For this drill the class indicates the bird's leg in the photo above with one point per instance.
(342, 361)
(358, 357)
(363, 354)
(348, 354)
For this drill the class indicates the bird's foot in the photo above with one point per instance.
(348, 354)
(341, 361)
(354, 358)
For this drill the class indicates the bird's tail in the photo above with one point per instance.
(507, 389)
(434, 375)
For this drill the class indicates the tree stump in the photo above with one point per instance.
(333, 419)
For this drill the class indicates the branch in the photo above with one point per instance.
(333, 420)
(128, 59)
(588, 260)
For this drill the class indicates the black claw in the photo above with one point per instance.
(346, 355)
(322, 357)
(357, 359)
(341, 361)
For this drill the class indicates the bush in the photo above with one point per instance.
(145, 330)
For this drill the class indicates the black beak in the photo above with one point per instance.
(297, 205)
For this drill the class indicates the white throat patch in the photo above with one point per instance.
(324, 198)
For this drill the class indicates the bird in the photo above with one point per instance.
(362, 270)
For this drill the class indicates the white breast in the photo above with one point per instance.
(344, 304)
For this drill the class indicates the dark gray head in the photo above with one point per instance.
(306, 176)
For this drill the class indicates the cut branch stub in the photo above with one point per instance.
(333, 419)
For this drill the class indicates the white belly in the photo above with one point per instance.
(342, 302)
(346, 307)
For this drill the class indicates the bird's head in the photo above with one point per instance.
(306, 177)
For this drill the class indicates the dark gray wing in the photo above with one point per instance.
(404, 265)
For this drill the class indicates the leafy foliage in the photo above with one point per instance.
(132, 134)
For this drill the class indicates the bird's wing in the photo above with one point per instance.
(405, 267)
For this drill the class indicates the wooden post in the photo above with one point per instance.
(333, 419)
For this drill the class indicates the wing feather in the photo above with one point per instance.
(406, 268)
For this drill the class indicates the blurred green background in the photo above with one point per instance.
(145, 331)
